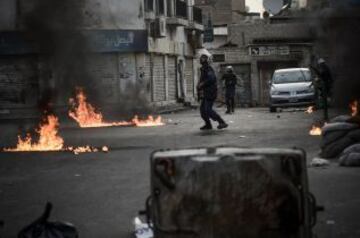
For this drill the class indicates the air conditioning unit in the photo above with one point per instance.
(160, 27)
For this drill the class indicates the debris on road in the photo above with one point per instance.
(42, 228)
(142, 230)
(330, 222)
(319, 162)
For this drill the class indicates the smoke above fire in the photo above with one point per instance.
(54, 29)
(57, 28)
(337, 33)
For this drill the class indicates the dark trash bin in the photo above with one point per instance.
(231, 193)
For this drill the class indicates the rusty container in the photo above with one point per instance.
(230, 193)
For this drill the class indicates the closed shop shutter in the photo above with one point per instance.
(147, 76)
(104, 82)
(172, 77)
(189, 77)
(19, 81)
(159, 78)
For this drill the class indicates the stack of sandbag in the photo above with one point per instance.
(338, 135)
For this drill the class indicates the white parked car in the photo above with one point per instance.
(290, 88)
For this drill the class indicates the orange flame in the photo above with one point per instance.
(86, 116)
(84, 113)
(354, 108)
(150, 121)
(49, 140)
(310, 110)
(315, 131)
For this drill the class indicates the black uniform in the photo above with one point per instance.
(208, 93)
(325, 85)
(230, 88)
(325, 75)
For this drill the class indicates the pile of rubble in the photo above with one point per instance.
(341, 139)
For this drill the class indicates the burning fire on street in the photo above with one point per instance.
(310, 110)
(354, 108)
(49, 140)
(87, 116)
(315, 131)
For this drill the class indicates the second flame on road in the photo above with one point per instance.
(86, 116)
(315, 131)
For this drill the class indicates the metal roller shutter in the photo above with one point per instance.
(172, 78)
(104, 81)
(19, 83)
(189, 77)
(159, 78)
(147, 75)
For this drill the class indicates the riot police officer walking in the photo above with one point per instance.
(230, 87)
(207, 92)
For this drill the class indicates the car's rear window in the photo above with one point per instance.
(292, 77)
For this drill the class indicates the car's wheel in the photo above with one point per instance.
(272, 109)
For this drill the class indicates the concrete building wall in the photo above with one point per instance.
(114, 14)
(97, 14)
(244, 34)
(7, 15)
(222, 12)
(317, 4)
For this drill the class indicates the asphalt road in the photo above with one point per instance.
(101, 192)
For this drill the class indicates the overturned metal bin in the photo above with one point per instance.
(230, 193)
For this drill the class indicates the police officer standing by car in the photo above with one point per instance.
(207, 92)
(325, 85)
(230, 87)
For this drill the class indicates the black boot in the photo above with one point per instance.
(222, 125)
(233, 105)
(206, 127)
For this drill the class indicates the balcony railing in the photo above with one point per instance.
(197, 12)
(181, 9)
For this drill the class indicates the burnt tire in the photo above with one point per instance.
(272, 109)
